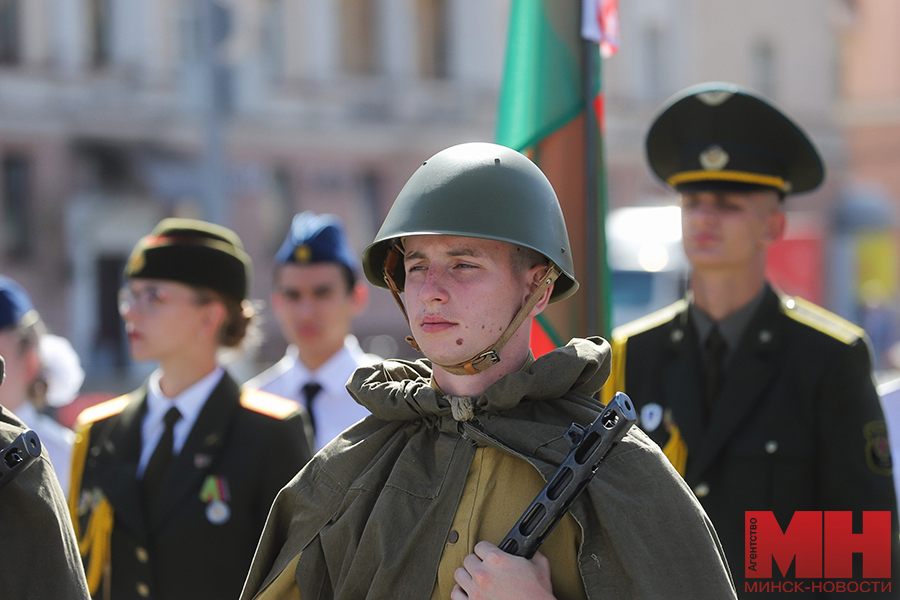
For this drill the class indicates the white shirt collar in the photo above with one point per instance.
(189, 403)
(332, 374)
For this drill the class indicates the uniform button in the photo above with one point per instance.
(771, 446)
(141, 554)
(677, 335)
(765, 336)
(453, 537)
(143, 590)
(702, 490)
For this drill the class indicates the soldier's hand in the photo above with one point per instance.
(492, 574)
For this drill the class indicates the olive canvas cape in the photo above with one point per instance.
(40, 553)
(372, 510)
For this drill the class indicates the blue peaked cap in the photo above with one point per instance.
(317, 239)
(14, 303)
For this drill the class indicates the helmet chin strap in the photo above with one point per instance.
(491, 355)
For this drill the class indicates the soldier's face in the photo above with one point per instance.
(730, 230)
(461, 293)
(315, 308)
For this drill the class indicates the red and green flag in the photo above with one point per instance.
(551, 80)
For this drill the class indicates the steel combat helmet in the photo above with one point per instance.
(478, 190)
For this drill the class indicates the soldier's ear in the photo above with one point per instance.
(536, 280)
(31, 358)
(360, 297)
(776, 222)
(214, 316)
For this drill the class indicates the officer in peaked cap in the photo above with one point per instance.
(316, 296)
(761, 400)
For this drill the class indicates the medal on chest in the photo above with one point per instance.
(214, 492)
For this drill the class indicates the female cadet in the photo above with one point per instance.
(171, 484)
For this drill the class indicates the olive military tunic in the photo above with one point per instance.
(198, 539)
(371, 515)
(36, 531)
(797, 424)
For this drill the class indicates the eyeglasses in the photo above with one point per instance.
(149, 300)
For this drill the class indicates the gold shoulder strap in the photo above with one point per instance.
(96, 543)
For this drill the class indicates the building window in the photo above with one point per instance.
(431, 34)
(189, 32)
(100, 35)
(16, 206)
(359, 43)
(654, 68)
(272, 40)
(110, 346)
(284, 207)
(764, 75)
(371, 193)
(9, 32)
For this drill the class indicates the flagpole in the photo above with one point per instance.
(597, 277)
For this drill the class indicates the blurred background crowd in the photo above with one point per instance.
(115, 114)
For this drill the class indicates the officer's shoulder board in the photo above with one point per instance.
(811, 315)
(648, 322)
(101, 411)
(619, 342)
(268, 404)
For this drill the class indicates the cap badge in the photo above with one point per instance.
(303, 253)
(714, 158)
(714, 97)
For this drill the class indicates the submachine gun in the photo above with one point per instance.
(19, 455)
(589, 447)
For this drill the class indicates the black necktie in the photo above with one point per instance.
(310, 391)
(716, 348)
(161, 458)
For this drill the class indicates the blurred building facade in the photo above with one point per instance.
(871, 119)
(106, 121)
(108, 109)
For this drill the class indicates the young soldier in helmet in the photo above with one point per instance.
(315, 298)
(410, 502)
(171, 484)
(761, 400)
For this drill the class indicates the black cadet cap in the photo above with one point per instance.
(195, 253)
(719, 136)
